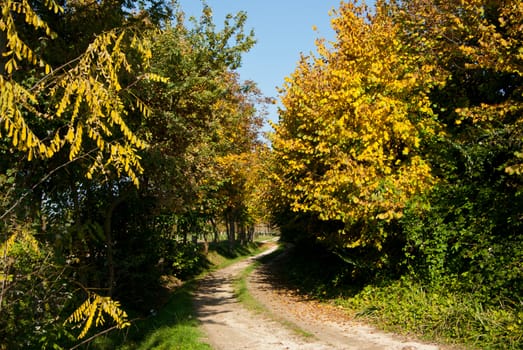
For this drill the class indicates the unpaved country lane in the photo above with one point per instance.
(327, 323)
(229, 326)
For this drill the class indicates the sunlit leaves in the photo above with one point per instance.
(481, 44)
(93, 310)
(352, 144)
(87, 94)
(349, 135)
(15, 48)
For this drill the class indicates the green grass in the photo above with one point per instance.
(222, 255)
(439, 315)
(242, 292)
(174, 326)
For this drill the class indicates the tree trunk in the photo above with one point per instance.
(230, 231)
(184, 236)
(215, 230)
(251, 234)
(205, 244)
(109, 242)
(242, 235)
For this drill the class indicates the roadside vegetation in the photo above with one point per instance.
(397, 168)
(401, 306)
(172, 323)
(129, 146)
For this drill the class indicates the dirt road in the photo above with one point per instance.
(229, 326)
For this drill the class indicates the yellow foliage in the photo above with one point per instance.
(347, 142)
(93, 310)
(87, 93)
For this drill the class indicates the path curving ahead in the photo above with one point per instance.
(230, 326)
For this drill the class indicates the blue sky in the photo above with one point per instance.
(283, 29)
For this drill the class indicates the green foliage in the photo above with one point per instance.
(204, 127)
(439, 314)
(82, 95)
(31, 320)
(469, 240)
(184, 260)
(466, 234)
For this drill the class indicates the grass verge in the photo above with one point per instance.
(241, 291)
(444, 316)
(220, 255)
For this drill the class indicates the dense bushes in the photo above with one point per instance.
(469, 233)
(38, 292)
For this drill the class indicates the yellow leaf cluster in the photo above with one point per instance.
(93, 310)
(86, 94)
(348, 139)
(16, 50)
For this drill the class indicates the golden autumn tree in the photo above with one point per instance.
(235, 162)
(347, 145)
(415, 111)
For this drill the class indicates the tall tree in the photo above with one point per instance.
(58, 108)
(415, 109)
(347, 145)
(469, 235)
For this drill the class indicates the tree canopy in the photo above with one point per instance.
(398, 144)
(125, 128)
